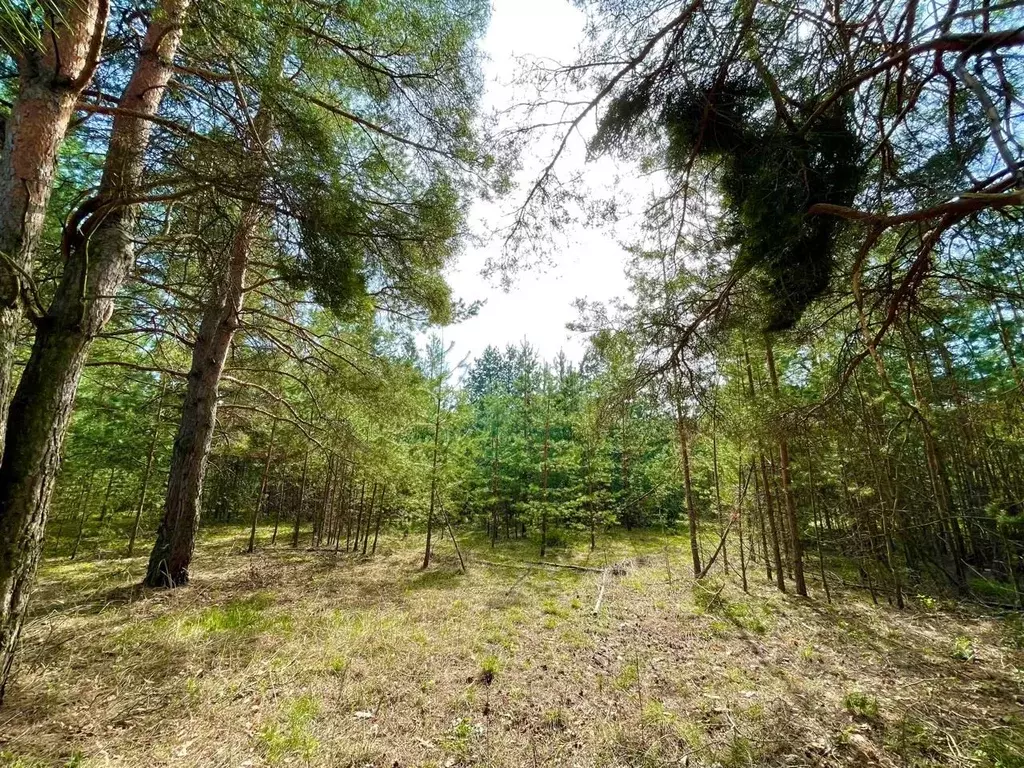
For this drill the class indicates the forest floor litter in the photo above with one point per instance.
(296, 657)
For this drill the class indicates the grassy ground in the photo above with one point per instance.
(310, 658)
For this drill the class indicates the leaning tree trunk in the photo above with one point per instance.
(99, 255)
(175, 540)
(49, 84)
(176, 537)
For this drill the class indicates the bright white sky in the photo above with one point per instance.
(589, 265)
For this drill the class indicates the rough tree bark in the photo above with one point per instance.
(98, 254)
(50, 81)
(175, 542)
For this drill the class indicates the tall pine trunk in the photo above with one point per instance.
(544, 476)
(780, 581)
(175, 541)
(98, 255)
(302, 498)
(49, 84)
(171, 557)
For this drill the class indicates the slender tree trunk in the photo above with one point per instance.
(84, 514)
(817, 523)
(369, 517)
(338, 504)
(63, 519)
(796, 541)
(691, 510)
(351, 494)
(773, 529)
(494, 490)
(50, 82)
(106, 496)
(380, 516)
(359, 515)
(781, 519)
(279, 496)
(739, 514)
(937, 473)
(625, 463)
(590, 504)
(172, 553)
(718, 485)
(149, 467)
(544, 477)
(890, 559)
(320, 511)
(760, 519)
(1011, 568)
(359, 518)
(99, 253)
(433, 479)
(302, 497)
(263, 489)
(780, 580)
(455, 542)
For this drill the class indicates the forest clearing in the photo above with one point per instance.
(294, 657)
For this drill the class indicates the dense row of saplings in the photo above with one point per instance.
(342, 511)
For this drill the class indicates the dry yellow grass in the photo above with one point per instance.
(306, 658)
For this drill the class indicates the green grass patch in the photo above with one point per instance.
(707, 596)
(292, 737)
(552, 607)
(1000, 746)
(963, 649)
(13, 760)
(1013, 629)
(238, 616)
(750, 616)
(489, 668)
(460, 740)
(628, 678)
(860, 704)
